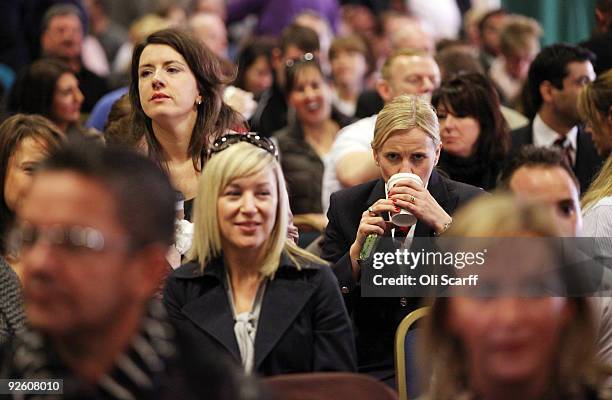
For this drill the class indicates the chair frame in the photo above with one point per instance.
(400, 352)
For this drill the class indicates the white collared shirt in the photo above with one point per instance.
(545, 136)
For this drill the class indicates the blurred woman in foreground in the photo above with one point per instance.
(514, 336)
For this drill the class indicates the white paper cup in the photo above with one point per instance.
(403, 217)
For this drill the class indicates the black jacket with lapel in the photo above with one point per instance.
(587, 164)
(303, 325)
(375, 319)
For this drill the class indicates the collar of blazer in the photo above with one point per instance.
(285, 297)
(216, 269)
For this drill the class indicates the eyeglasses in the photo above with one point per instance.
(305, 58)
(255, 139)
(68, 238)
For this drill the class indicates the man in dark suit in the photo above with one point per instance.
(556, 77)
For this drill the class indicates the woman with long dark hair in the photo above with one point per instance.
(475, 137)
(176, 93)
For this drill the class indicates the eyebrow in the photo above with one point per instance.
(164, 64)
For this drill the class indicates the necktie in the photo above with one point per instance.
(566, 149)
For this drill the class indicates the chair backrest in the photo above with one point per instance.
(405, 340)
(327, 386)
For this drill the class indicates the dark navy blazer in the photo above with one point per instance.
(587, 164)
(303, 324)
(376, 319)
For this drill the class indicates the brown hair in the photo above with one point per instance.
(473, 95)
(214, 117)
(12, 132)
(352, 44)
(34, 87)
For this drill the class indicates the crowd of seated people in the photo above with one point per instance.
(225, 170)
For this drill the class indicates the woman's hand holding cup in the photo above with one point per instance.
(407, 192)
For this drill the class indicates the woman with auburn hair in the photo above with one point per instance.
(507, 339)
(176, 92)
(595, 106)
(475, 137)
(249, 291)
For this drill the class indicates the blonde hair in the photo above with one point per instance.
(445, 355)
(595, 101)
(385, 71)
(600, 188)
(406, 112)
(238, 161)
(594, 106)
(518, 33)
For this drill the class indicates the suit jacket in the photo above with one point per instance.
(375, 319)
(587, 164)
(303, 325)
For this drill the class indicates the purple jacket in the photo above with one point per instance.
(274, 15)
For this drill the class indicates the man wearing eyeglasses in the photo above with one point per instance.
(93, 232)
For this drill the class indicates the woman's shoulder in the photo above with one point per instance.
(297, 263)
(188, 270)
(462, 190)
(603, 203)
(190, 281)
(598, 218)
(307, 269)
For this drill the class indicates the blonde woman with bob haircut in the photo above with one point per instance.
(249, 291)
(595, 107)
(406, 140)
(516, 344)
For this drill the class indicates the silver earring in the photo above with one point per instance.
(199, 101)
